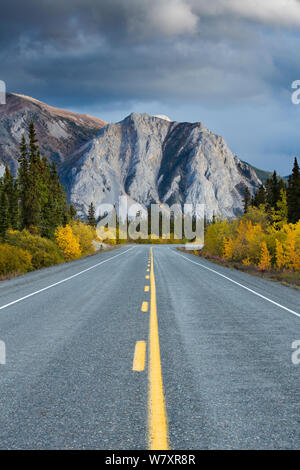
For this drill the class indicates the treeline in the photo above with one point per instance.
(277, 196)
(267, 236)
(37, 227)
(35, 200)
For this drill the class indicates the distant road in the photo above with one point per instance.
(133, 350)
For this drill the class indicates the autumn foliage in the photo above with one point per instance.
(14, 260)
(256, 240)
(68, 243)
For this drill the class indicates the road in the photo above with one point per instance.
(133, 350)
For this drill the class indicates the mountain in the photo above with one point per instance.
(265, 175)
(60, 133)
(148, 158)
(151, 159)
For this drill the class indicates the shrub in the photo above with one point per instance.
(86, 236)
(44, 252)
(68, 243)
(265, 259)
(14, 260)
(252, 240)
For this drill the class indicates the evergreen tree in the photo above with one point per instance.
(4, 210)
(73, 212)
(273, 187)
(247, 200)
(91, 216)
(32, 209)
(260, 196)
(293, 194)
(11, 196)
(55, 211)
(23, 181)
(42, 199)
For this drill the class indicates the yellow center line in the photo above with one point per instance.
(157, 416)
(147, 276)
(146, 288)
(144, 307)
(139, 356)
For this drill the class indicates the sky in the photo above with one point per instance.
(227, 63)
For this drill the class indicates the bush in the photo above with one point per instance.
(44, 251)
(68, 243)
(252, 240)
(14, 260)
(86, 235)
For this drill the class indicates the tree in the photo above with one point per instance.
(4, 212)
(247, 200)
(280, 255)
(32, 209)
(23, 181)
(260, 196)
(293, 194)
(10, 191)
(228, 248)
(43, 202)
(91, 216)
(280, 214)
(265, 258)
(67, 242)
(73, 212)
(273, 188)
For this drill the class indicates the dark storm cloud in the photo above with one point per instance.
(129, 49)
(109, 53)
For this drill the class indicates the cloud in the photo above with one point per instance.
(170, 18)
(282, 13)
(285, 13)
(114, 54)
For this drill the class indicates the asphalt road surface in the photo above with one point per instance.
(133, 350)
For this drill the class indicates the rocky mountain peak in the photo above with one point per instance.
(154, 160)
(60, 132)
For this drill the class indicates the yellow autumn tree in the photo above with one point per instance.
(265, 258)
(68, 243)
(86, 236)
(292, 256)
(228, 248)
(279, 255)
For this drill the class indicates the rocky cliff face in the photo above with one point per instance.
(148, 158)
(151, 159)
(60, 133)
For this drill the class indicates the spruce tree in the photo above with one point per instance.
(33, 200)
(23, 181)
(293, 194)
(260, 196)
(247, 200)
(73, 212)
(11, 196)
(91, 216)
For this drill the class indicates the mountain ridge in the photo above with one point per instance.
(148, 158)
(59, 132)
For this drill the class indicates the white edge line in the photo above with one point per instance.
(238, 284)
(64, 280)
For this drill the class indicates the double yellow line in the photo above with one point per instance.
(157, 416)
